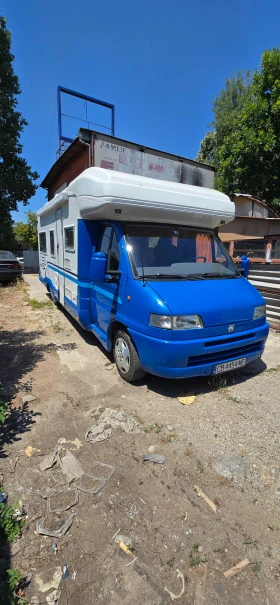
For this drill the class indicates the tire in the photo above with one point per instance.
(126, 357)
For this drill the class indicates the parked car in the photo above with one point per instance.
(21, 261)
(10, 267)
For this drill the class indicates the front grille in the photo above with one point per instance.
(198, 360)
(214, 343)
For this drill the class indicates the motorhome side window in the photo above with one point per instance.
(42, 242)
(69, 238)
(52, 243)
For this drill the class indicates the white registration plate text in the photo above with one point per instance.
(229, 365)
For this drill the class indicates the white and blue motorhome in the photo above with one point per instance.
(138, 262)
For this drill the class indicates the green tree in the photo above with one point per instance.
(25, 234)
(16, 177)
(246, 133)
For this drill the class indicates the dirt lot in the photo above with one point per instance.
(225, 441)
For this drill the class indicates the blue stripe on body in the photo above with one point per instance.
(86, 284)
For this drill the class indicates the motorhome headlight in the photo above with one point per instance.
(259, 312)
(176, 322)
(187, 322)
(161, 321)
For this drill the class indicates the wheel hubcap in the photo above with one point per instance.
(122, 355)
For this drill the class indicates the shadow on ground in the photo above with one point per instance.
(167, 387)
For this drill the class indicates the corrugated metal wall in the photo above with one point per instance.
(266, 278)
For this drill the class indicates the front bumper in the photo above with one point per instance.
(10, 275)
(183, 359)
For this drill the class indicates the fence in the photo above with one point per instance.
(266, 278)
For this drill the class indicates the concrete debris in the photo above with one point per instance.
(45, 583)
(28, 398)
(100, 432)
(109, 419)
(54, 533)
(50, 459)
(70, 466)
(53, 598)
(154, 458)
(231, 468)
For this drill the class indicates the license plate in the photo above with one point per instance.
(229, 365)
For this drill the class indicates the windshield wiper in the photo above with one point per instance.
(222, 275)
(175, 275)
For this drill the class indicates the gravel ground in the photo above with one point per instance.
(225, 442)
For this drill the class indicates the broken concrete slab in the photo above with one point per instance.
(28, 398)
(70, 466)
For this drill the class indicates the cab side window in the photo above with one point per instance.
(105, 240)
(108, 244)
(114, 259)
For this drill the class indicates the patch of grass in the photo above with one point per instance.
(233, 399)
(38, 304)
(275, 369)
(256, 568)
(218, 382)
(170, 438)
(10, 525)
(153, 428)
(200, 465)
(10, 588)
(170, 561)
(255, 500)
(18, 284)
(57, 327)
(196, 557)
(140, 482)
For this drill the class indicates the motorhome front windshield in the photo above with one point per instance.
(170, 252)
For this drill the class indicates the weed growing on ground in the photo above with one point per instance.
(57, 327)
(38, 304)
(200, 466)
(20, 285)
(256, 568)
(170, 438)
(218, 382)
(153, 428)
(275, 369)
(196, 557)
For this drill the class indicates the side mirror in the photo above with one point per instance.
(112, 276)
(98, 267)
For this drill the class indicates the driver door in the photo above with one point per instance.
(105, 297)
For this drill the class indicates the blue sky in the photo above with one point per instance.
(160, 62)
